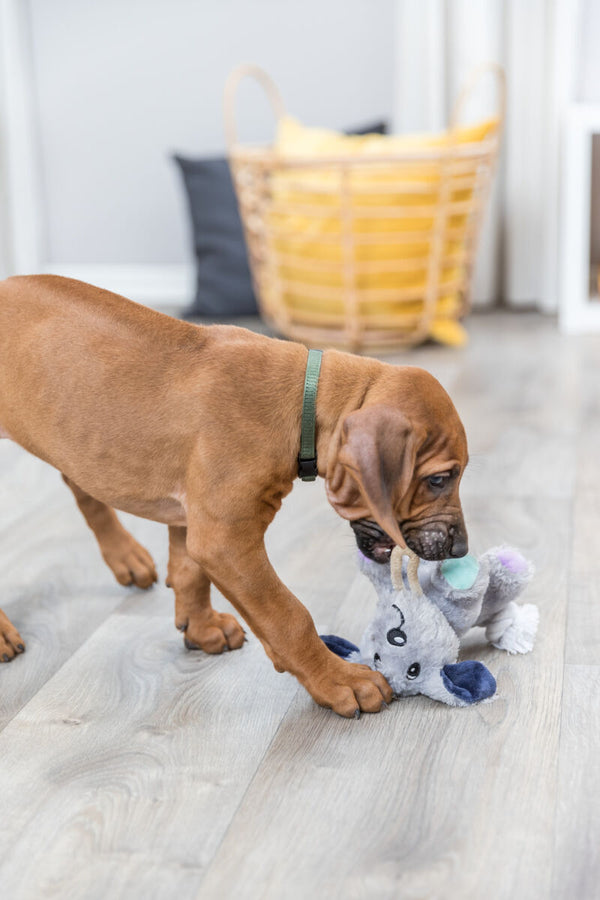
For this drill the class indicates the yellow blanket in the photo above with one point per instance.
(347, 232)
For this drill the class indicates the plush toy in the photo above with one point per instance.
(424, 608)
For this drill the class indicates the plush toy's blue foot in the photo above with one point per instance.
(470, 681)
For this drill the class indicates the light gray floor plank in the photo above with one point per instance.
(589, 390)
(577, 854)
(125, 770)
(521, 414)
(583, 628)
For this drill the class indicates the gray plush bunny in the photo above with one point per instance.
(413, 639)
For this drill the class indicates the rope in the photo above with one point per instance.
(412, 567)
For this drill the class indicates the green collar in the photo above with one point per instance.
(307, 458)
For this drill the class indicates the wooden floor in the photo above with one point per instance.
(131, 768)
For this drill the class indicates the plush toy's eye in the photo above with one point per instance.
(413, 671)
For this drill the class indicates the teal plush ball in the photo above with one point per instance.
(460, 573)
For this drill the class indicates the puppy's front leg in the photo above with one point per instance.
(236, 561)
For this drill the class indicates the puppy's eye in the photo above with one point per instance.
(413, 671)
(437, 481)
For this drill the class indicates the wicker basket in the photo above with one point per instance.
(363, 252)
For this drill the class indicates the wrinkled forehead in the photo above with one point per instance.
(432, 412)
(442, 442)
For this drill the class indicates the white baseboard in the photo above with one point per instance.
(156, 286)
(582, 320)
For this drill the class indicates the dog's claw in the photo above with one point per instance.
(357, 713)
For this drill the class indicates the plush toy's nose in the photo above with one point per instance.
(469, 680)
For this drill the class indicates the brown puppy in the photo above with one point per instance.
(199, 428)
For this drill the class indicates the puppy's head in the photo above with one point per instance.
(397, 469)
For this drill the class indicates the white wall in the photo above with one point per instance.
(588, 78)
(121, 84)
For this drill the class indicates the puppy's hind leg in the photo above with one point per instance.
(205, 629)
(129, 561)
(11, 642)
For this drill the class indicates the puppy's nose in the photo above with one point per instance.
(460, 543)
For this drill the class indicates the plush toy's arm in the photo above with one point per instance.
(508, 626)
(509, 574)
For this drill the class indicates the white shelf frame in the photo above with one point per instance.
(579, 312)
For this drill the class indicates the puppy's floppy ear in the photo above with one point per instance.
(374, 467)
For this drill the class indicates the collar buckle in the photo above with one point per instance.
(307, 469)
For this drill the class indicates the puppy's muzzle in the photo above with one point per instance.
(434, 541)
(437, 541)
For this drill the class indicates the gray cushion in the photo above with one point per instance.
(223, 283)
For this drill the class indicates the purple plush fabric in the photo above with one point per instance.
(512, 560)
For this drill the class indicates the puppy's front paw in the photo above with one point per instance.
(349, 689)
(130, 562)
(11, 642)
(213, 632)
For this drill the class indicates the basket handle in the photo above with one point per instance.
(237, 75)
(487, 68)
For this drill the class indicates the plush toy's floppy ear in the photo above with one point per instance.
(469, 681)
(374, 467)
